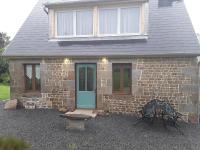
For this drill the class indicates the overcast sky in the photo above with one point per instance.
(14, 12)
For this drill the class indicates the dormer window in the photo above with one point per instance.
(74, 23)
(99, 21)
(119, 21)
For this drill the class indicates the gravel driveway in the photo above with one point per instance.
(45, 130)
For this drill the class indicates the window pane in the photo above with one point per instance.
(127, 80)
(90, 79)
(65, 23)
(116, 79)
(84, 22)
(82, 79)
(130, 18)
(37, 77)
(108, 21)
(28, 77)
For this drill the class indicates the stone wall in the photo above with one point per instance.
(171, 79)
(58, 83)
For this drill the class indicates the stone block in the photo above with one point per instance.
(190, 72)
(193, 118)
(11, 105)
(188, 108)
(137, 90)
(75, 125)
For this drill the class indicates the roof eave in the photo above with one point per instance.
(48, 4)
(97, 56)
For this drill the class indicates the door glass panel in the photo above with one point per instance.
(116, 79)
(82, 79)
(29, 77)
(37, 77)
(127, 79)
(90, 79)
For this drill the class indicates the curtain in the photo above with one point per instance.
(108, 21)
(65, 23)
(84, 22)
(37, 72)
(130, 18)
(29, 71)
(28, 77)
(37, 77)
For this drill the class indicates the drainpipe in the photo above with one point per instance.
(198, 64)
(45, 9)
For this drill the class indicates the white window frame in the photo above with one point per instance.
(119, 21)
(96, 21)
(74, 23)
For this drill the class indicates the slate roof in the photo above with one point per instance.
(170, 33)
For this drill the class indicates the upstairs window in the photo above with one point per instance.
(108, 21)
(75, 23)
(65, 23)
(84, 22)
(32, 77)
(119, 21)
(99, 21)
(129, 20)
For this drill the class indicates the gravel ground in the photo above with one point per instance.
(45, 130)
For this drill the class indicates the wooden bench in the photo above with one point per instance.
(75, 121)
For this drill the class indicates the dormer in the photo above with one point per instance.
(87, 20)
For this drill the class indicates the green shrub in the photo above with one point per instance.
(73, 147)
(13, 144)
(5, 78)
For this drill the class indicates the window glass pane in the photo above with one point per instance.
(82, 78)
(84, 22)
(90, 79)
(130, 18)
(28, 77)
(127, 80)
(65, 23)
(108, 21)
(37, 77)
(116, 79)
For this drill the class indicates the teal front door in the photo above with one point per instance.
(86, 86)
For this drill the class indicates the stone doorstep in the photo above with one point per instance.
(87, 112)
(32, 104)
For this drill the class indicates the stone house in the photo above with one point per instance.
(111, 55)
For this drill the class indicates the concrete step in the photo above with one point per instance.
(87, 112)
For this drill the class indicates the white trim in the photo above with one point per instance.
(118, 20)
(56, 24)
(74, 22)
(105, 38)
(95, 21)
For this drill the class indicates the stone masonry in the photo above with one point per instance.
(172, 79)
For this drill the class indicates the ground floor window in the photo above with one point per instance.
(122, 78)
(32, 77)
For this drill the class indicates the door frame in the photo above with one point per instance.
(76, 64)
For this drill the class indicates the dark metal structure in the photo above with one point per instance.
(157, 109)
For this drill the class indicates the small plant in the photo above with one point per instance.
(73, 147)
(13, 144)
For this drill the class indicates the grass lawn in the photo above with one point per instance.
(4, 92)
